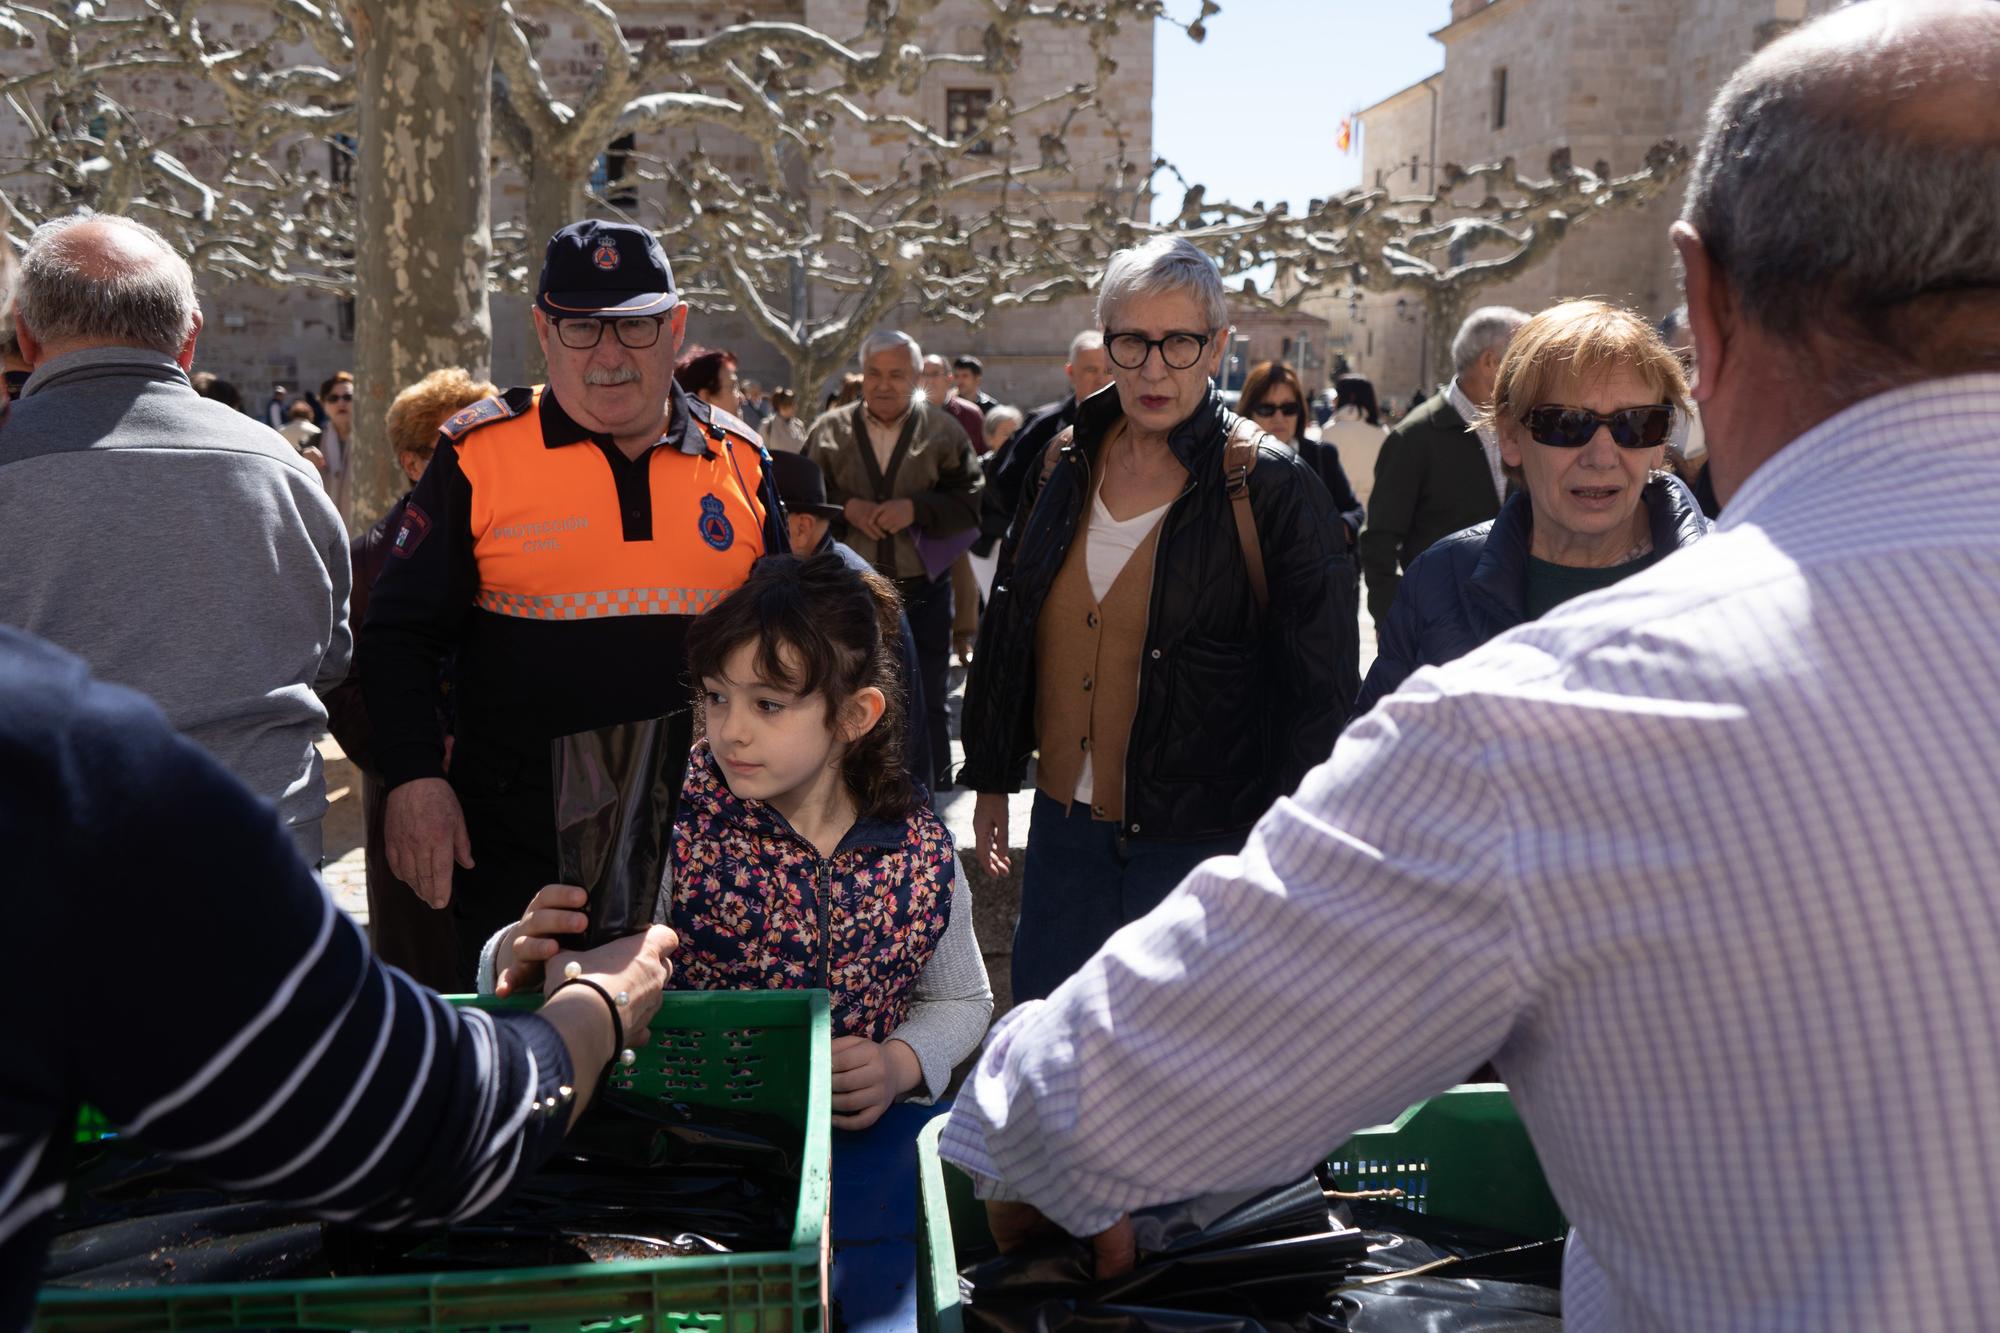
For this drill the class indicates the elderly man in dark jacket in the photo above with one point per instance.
(1436, 473)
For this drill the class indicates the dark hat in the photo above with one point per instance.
(800, 485)
(597, 268)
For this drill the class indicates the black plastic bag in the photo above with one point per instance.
(637, 1178)
(616, 790)
(1289, 1260)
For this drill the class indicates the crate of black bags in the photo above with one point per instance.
(763, 1051)
(1462, 1156)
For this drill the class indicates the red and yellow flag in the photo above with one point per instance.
(1344, 140)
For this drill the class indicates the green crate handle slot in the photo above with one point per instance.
(703, 1045)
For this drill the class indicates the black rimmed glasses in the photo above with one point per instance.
(1571, 427)
(634, 331)
(1179, 351)
(1263, 410)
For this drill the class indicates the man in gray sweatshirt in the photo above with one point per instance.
(177, 546)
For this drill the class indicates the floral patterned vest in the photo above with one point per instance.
(758, 908)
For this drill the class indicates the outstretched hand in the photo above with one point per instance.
(1114, 1251)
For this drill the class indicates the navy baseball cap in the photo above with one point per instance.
(596, 269)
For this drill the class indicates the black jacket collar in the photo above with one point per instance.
(1499, 582)
(1190, 441)
(689, 426)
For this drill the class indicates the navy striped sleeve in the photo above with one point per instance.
(190, 977)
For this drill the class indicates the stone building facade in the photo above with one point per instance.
(255, 335)
(1607, 78)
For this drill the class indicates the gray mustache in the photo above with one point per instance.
(622, 375)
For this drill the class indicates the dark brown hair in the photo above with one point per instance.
(700, 369)
(1257, 386)
(844, 627)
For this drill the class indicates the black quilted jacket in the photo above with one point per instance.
(1235, 705)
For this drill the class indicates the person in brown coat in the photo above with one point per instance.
(904, 473)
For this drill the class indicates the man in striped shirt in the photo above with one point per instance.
(1704, 863)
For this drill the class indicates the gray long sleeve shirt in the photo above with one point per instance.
(184, 550)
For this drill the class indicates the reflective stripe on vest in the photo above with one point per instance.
(549, 537)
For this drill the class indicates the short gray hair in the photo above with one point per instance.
(62, 300)
(1487, 329)
(1003, 413)
(1090, 340)
(884, 340)
(1823, 215)
(1163, 264)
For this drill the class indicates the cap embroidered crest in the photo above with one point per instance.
(716, 528)
(606, 255)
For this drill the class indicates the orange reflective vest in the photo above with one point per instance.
(552, 532)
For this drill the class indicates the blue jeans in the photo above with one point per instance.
(1083, 881)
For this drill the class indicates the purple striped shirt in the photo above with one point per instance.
(1706, 863)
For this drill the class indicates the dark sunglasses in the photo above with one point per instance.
(1571, 427)
(340, 398)
(1275, 409)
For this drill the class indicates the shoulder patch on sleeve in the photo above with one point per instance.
(483, 412)
(410, 533)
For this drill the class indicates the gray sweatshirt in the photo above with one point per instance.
(183, 549)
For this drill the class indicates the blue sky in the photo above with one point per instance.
(1252, 111)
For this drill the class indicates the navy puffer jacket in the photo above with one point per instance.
(1473, 585)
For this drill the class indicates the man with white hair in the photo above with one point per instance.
(179, 547)
(558, 546)
(1757, 1060)
(1437, 473)
(907, 481)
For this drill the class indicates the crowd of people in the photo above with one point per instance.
(1604, 812)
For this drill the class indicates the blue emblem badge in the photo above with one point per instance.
(716, 528)
(606, 255)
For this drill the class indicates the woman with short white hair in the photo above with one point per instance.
(1168, 630)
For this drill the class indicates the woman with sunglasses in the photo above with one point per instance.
(1585, 403)
(1274, 398)
(1171, 698)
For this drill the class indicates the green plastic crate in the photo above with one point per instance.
(759, 1050)
(1463, 1155)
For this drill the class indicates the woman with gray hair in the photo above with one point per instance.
(1168, 630)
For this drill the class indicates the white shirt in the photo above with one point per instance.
(1108, 547)
(1706, 863)
(1489, 439)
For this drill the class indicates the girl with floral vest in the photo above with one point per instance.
(802, 854)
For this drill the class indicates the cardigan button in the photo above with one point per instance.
(1085, 742)
(1086, 684)
(1097, 810)
(1091, 620)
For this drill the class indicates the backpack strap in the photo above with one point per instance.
(1239, 456)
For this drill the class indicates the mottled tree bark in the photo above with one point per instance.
(555, 192)
(425, 238)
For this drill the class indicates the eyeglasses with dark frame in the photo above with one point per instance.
(1180, 351)
(1562, 427)
(637, 332)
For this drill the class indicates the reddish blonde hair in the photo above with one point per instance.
(1575, 341)
(419, 410)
